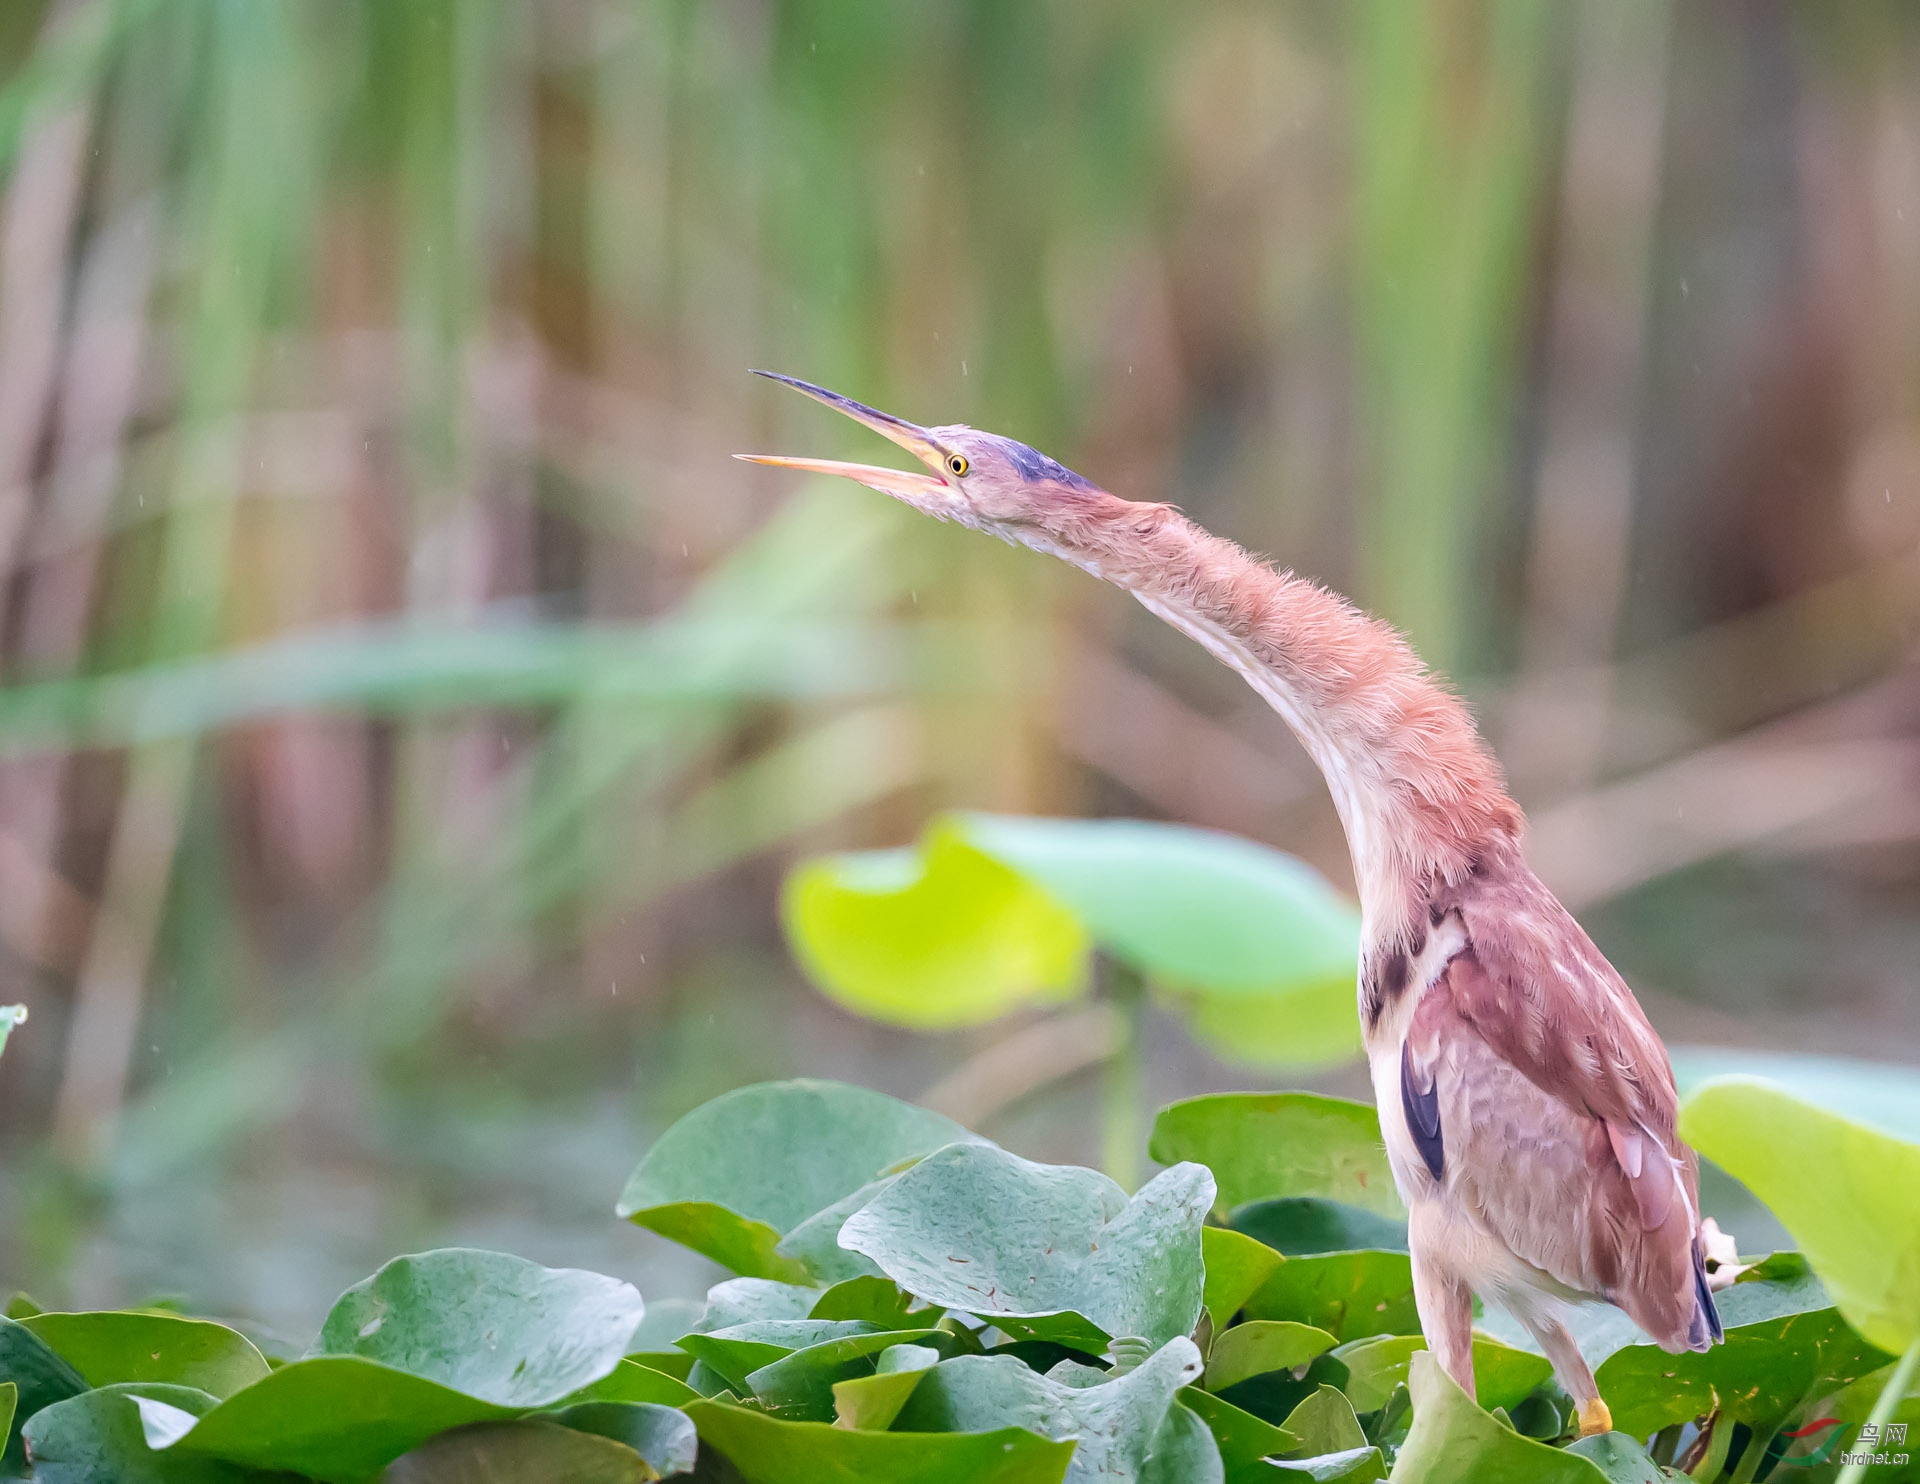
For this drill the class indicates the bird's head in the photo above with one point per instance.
(977, 479)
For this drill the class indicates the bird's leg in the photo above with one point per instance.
(1446, 1310)
(1570, 1368)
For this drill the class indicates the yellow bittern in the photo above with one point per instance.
(1528, 1107)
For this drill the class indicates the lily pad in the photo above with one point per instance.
(1262, 1345)
(973, 1227)
(111, 1347)
(740, 1172)
(1455, 1442)
(97, 1438)
(800, 1385)
(767, 1450)
(1117, 1422)
(1503, 1375)
(663, 1436)
(526, 1452)
(40, 1378)
(1265, 1146)
(1236, 1267)
(874, 1401)
(1849, 1194)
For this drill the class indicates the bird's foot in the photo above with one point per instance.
(1595, 1418)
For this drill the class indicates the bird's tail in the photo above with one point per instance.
(1704, 1332)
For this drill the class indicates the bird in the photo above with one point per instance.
(1527, 1106)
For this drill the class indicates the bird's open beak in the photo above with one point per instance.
(896, 482)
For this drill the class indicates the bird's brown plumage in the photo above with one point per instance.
(1528, 1107)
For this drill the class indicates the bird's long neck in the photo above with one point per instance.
(1420, 795)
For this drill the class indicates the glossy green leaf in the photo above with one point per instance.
(814, 1245)
(1502, 1374)
(1325, 1423)
(875, 1300)
(1455, 1442)
(97, 1438)
(1259, 1346)
(973, 1227)
(933, 938)
(745, 1300)
(9, 1398)
(1849, 1194)
(675, 1363)
(1882, 1095)
(1117, 1422)
(766, 1450)
(1242, 1438)
(111, 1347)
(1264, 1146)
(1351, 1295)
(1785, 1342)
(10, 1016)
(800, 1385)
(40, 1378)
(1303, 1226)
(663, 1436)
(532, 1451)
(738, 1351)
(1236, 1267)
(874, 1401)
(632, 1382)
(1623, 1461)
(1183, 1451)
(737, 1173)
(1360, 1465)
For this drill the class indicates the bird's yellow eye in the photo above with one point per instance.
(956, 464)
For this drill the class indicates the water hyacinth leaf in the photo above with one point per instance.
(40, 1378)
(973, 1227)
(1503, 1375)
(874, 1300)
(874, 1401)
(632, 1382)
(1117, 1422)
(1784, 1343)
(1242, 1438)
(1621, 1460)
(111, 1347)
(814, 1245)
(800, 1385)
(1453, 1441)
(1259, 1346)
(736, 1352)
(1351, 1295)
(1325, 1423)
(1348, 1466)
(490, 1326)
(1844, 1190)
(1183, 1452)
(1880, 1094)
(767, 1450)
(9, 1398)
(738, 1173)
(98, 1438)
(1236, 1267)
(663, 1436)
(10, 1016)
(532, 1451)
(744, 1300)
(934, 938)
(675, 1363)
(332, 1417)
(1266, 1146)
(1303, 1226)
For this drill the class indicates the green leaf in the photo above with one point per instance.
(1117, 1422)
(1348, 1466)
(1325, 1423)
(1880, 1094)
(736, 1352)
(1262, 1345)
(494, 1327)
(1263, 1146)
(1621, 1460)
(1350, 1295)
(663, 1436)
(932, 939)
(874, 1401)
(736, 1174)
(1455, 1442)
(1785, 1343)
(1236, 1267)
(800, 1385)
(874, 1300)
(632, 1382)
(1502, 1375)
(528, 1452)
(1849, 1194)
(110, 1347)
(40, 1378)
(744, 1300)
(766, 1450)
(97, 1438)
(334, 1417)
(9, 1397)
(10, 1016)
(1183, 1452)
(1242, 1438)
(975, 1228)
(1304, 1226)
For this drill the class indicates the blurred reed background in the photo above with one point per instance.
(409, 709)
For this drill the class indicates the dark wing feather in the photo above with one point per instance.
(1423, 1112)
